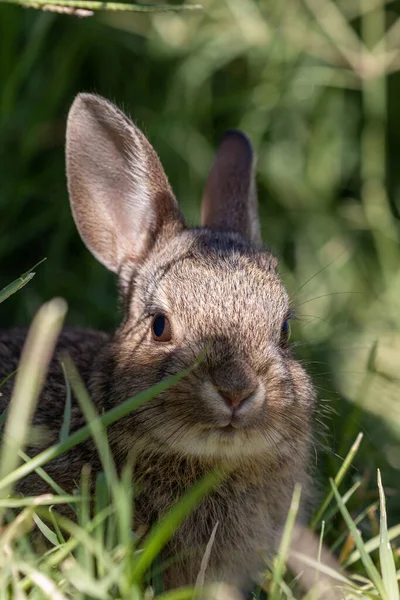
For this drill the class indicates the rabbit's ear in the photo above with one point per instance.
(120, 196)
(230, 199)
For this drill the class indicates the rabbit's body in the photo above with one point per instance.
(83, 345)
(212, 290)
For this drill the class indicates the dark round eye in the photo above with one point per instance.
(285, 332)
(161, 328)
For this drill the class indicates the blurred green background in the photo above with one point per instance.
(315, 85)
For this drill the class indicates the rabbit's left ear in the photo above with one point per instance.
(230, 198)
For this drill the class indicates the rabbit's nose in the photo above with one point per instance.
(235, 397)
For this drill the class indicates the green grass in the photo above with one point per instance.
(315, 84)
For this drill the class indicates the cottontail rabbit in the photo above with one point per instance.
(213, 289)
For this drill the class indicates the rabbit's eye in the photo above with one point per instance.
(161, 328)
(285, 332)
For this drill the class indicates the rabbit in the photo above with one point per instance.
(215, 290)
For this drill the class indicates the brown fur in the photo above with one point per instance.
(221, 293)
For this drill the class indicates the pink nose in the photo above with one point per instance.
(235, 397)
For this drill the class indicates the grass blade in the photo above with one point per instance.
(8, 378)
(285, 543)
(44, 500)
(22, 523)
(388, 567)
(322, 568)
(45, 476)
(36, 354)
(101, 501)
(360, 517)
(84, 582)
(90, 5)
(164, 530)
(45, 530)
(19, 283)
(372, 545)
(338, 479)
(14, 286)
(80, 535)
(321, 541)
(97, 428)
(66, 424)
(44, 583)
(189, 593)
(365, 557)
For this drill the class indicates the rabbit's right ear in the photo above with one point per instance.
(120, 196)
(230, 198)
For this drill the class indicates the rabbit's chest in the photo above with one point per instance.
(228, 515)
(224, 538)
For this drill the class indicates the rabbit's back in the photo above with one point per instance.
(83, 346)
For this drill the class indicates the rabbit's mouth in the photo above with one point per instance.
(224, 440)
(228, 429)
(230, 442)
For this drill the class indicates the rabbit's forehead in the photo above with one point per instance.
(223, 288)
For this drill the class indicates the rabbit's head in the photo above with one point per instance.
(212, 290)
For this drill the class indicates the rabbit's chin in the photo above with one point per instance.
(227, 443)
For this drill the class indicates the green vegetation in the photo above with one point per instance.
(315, 85)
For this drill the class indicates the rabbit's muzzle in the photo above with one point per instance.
(236, 398)
(232, 407)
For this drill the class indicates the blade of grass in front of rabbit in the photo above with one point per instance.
(335, 509)
(188, 593)
(285, 543)
(164, 530)
(338, 479)
(369, 566)
(323, 568)
(360, 517)
(97, 428)
(81, 534)
(51, 560)
(7, 379)
(101, 502)
(58, 556)
(388, 566)
(321, 543)
(43, 582)
(373, 543)
(43, 500)
(118, 489)
(45, 530)
(45, 476)
(83, 555)
(66, 424)
(36, 355)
